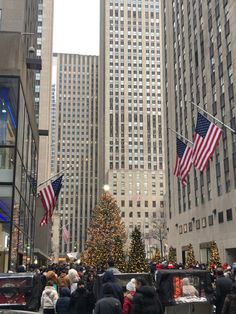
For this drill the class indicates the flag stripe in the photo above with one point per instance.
(183, 162)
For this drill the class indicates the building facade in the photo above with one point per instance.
(130, 116)
(18, 156)
(199, 65)
(76, 146)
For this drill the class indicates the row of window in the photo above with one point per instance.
(202, 223)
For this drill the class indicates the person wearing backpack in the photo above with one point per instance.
(49, 298)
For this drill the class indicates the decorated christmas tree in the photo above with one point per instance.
(156, 257)
(215, 256)
(172, 255)
(137, 262)
(190, 261)
(106, 235)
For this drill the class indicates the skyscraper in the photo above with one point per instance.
(76, 142)
(130, 117)
(198, 66)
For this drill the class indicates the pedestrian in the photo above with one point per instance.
(109, 277)
(73, 278)
(63, 279)
(112, 268)
(128, 299)
(81, 302)
(146, 300)
(109, 304)
(229, 306)
(223, 287)
(63, 302)
(49, 298)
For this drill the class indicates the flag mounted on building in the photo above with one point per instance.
(206, 138)
(49, 196)
(66, 234)
(183, 161)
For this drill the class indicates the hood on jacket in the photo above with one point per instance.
(108, 277)
(65, 292)
(147, 291)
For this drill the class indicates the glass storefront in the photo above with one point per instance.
(18, 175)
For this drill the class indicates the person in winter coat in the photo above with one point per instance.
(63, 303)
(223, 287)
(108, 304)
(109, 277)
(146, 300)
(229, 306)
(128, 299)
(74, 278)
(49, 298)
(80, 301)
(63, 280)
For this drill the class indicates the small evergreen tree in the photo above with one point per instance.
(172, 255)
(190, 261)
(137, 261)
(106, 235)
(215, 256)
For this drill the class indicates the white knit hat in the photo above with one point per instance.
(130, 286)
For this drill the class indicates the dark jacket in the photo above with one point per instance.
(108, 305)
(223, 287)
(81, 302)
(229, 306)
(109, 277)
(146, 301)
(63, 303)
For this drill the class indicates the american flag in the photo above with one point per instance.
(183, 161)
(66, 234)
(206, 138)
(49, 197)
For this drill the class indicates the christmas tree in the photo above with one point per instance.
(172, 255)
(215, 256)
(156, 257)
(137, 261)
(190, 261)
(106, 235)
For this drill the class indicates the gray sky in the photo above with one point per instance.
(76, 26)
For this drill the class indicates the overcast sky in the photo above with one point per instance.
(76, 26)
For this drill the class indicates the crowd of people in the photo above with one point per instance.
(71, 289)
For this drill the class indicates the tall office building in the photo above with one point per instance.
(76, 145)
(42, 105)
(130, 120)
(199, 66)
(19, 142)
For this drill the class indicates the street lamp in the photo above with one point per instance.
(106, 187)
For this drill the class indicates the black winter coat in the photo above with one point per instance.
(108, 305)
(223, 287)
(63, 302)
(146, 301)
(81, 302)
(229, 304)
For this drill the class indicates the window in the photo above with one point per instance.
(185, 228)
(123, 214)
(153, 203)
(131, 215)
(139, 214)
(197, 224)
(220, 217)
(146, 214)
(204, 222)
(229, 214)
(180, 229)
(130, 203)
(146, 203)
(190, 226)
(122, 203)
(210, 220)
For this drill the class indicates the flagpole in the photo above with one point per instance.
(181, 136)
(222, 123)
(54, 176)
